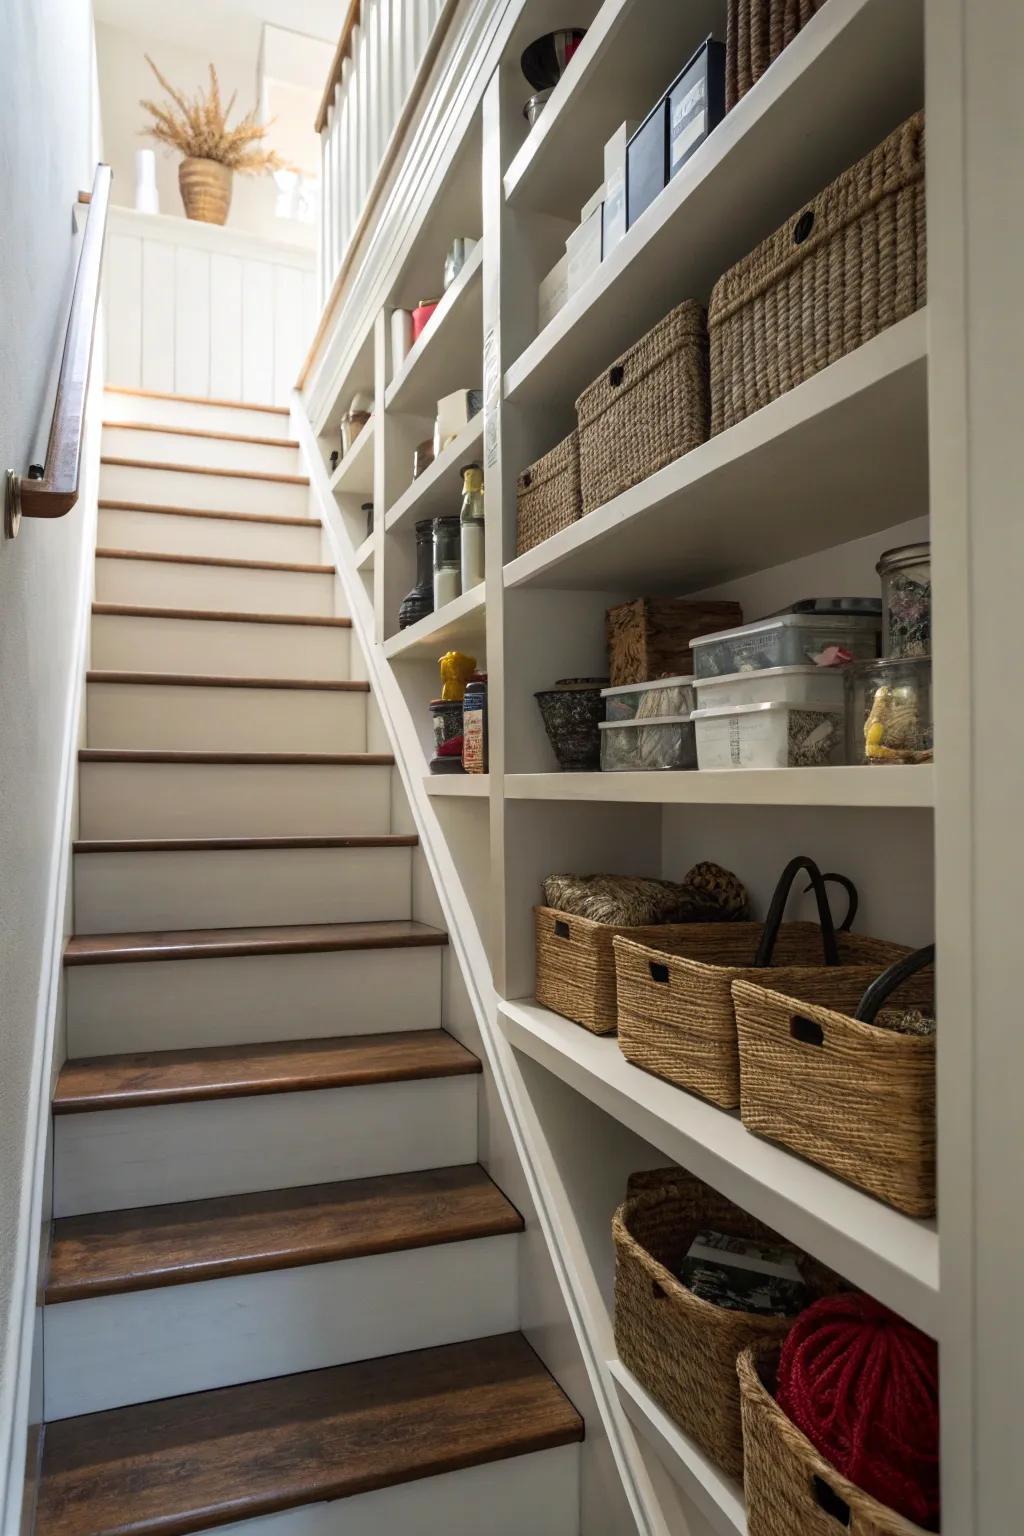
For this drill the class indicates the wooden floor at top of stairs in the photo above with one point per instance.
(140, 1079)
(228, 943)
(229, 561)
(111, 1252)
(259, 759)
(166, 394)
(240, 844)
(206, 432)
(218, 615)
(212, 512)
(229, 680)
(206, 469)
(186, 1464)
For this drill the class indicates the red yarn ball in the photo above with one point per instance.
(863, 1386)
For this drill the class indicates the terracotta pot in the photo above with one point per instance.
(205, 190)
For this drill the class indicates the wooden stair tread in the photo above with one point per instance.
(240, 844)
(213, 512)
(112, 1252)
(205, 469)
(227, 561)
(140, 1078)
(225, 680)
(207, 432)
(185, 1464)
(296, 759)
(221, 943)
(217, 616)
(167, 394)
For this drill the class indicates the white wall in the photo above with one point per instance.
(125, 79)
(47, 152)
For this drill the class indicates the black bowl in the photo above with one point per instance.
(545, 59)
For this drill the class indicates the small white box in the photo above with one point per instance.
(591, 203)
(615, 149)
(615, 187)
(454, 412)
(584, 250)
(553, 291)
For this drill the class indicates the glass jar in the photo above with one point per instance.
(367, 511)
(447, 561)
(474, 725)
(420, 601)
(906, 600)
(889, 710)
(471, 525)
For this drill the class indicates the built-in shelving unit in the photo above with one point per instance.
(451, 347)
(459, 625)
(913, 789)
(436, 492)
(354, 475)
(457, 786)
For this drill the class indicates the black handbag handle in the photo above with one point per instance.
(773, 922)
(897, 973)
(852, 897)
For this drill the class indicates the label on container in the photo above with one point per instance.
(474, 740)
(684, 141)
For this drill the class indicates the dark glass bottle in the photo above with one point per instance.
(420, 601)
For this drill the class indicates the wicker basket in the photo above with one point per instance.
(651, 636)
(791, 1489)
(845, 267)
(681, 1349)
(548, 495)
(650, 407)
(756, 31)
(848, 1095)
(205, 187)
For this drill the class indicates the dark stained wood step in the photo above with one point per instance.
(186, 1464)
(240, 844)
(205, 469)
(165, 394)
(224, 943)
(112, 1252)
(210, 680)
(293, 759)
(228, 562)
(230, 517)
(140, 1078)
(217, 616)
(207, 432)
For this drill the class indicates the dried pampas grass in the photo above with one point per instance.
(198, 127)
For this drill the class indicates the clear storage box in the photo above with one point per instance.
(889, 711)
(769, 736)
(666, 698)
(773, 685)
(788, 640)
(628, 746)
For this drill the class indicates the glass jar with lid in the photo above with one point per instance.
(419, 602)
(906, 600)
(447, 561)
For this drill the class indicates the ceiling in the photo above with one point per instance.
(224, 26)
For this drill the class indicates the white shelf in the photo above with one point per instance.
(438, 491)
(461, 625)
(354, 475)
(459, 786)
(718, 1497)
(449, 353)
(902, 788)
(845, 81)
(891, 1256)
(796, 477)
(630, 55)
(364, 555)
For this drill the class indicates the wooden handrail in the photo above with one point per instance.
(340, 54)
(51, 489)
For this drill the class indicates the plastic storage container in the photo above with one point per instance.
(631, 745)
(788, 640)
(889, 711)
(769, 736)
(663, 699)
(907, 599)
(773, 685)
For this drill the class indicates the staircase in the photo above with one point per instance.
(279, 1278)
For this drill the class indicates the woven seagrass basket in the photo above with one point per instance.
(791, 1489)
(548, 495)
(849, 264)
(650, 407)
(756, 31)
(845, 1093)
(205, 187)
(680, 1348)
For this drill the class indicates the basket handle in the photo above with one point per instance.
(773, 922)
(897, 973)
(828, 1500)
(852, 897)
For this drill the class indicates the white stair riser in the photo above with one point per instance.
(188, 488)
(170, 535)
(114, 1350)
(228, 887)
(116, 1159)
(220, 588)
(141, 643)
(199, 719)
(167, 1005)
(536, 1494)
(232, 799)
(206, 452)
(202, 415)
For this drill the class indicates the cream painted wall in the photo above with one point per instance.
(125, 78)
(48, 148)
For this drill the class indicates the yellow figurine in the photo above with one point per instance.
(456, 671)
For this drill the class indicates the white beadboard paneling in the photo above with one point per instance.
(290, 341)
(226, 327)
(112, 1350)
(158, 323)
(257, 331)
(122, 297)
(192, 321)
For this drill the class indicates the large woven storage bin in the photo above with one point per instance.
(681, 1349)
(842, 269)
(852, 1097)
(791, 1489)
(650, 407)
(676, 1015)
(548, 495)
(756, 31)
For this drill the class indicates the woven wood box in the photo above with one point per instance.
(649, 408)
(846, 266)
(650, 637)
(756, 31)
(548, 495)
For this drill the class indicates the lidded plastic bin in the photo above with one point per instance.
(788, 640)
(769, 736)
(773, 685)
(630, 746)
(665, 698)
